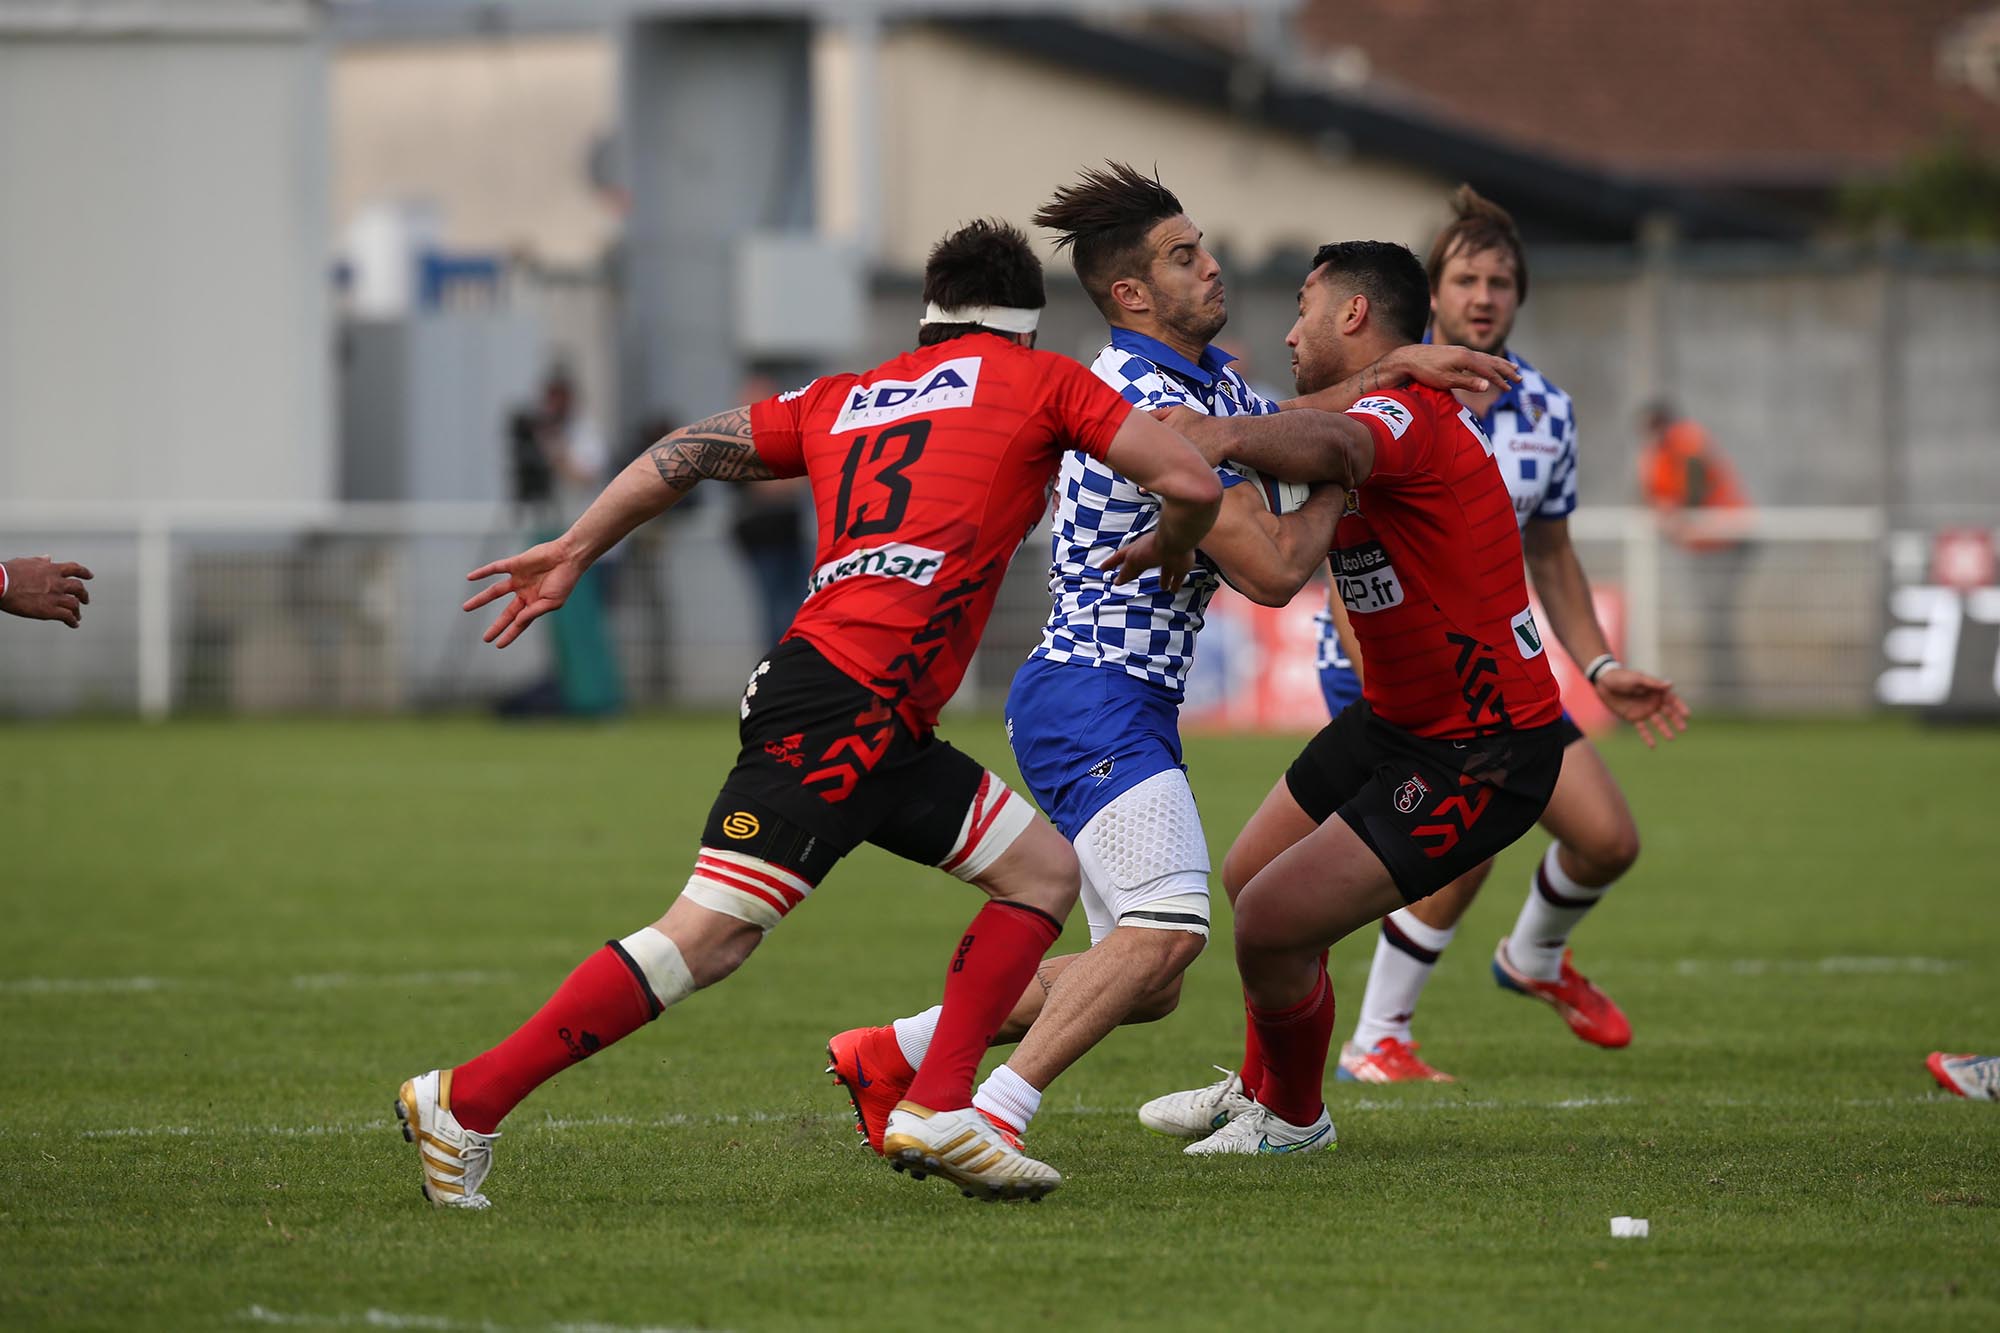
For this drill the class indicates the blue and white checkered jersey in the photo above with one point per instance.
(1533, 429)
(1139, 629)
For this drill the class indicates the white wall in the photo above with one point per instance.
(163, 266)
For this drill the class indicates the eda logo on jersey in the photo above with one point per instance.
(1385, 410)
(948, 384)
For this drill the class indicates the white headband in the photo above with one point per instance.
(1006, 318)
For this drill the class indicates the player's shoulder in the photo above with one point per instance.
(1139, 380)
(1404, 406)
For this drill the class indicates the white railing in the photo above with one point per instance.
(353, 607)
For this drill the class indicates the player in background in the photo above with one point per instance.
(1455, 746)
(1478, 271)
(1093, 715)
(927, 473)
(1335, 654)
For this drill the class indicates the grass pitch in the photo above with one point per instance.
(225, 944)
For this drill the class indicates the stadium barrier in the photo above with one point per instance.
(352, 608)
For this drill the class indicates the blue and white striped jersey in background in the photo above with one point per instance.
(1139, 628)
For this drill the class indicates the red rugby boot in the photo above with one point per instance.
(870, 1065)
(1589, 1011)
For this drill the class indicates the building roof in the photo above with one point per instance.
(1759, 94)
(1553, 196)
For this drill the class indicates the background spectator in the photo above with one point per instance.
(1702, 508)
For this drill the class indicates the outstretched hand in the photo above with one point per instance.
(540, 578)
(39, 588)
(1450, 367)
(1644, 701)
(1134, 558)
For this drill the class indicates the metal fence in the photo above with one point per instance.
(354, 609)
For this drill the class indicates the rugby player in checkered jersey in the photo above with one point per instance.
(928, 472)
(1455, 746)
(1478, 271)
(1094, 714)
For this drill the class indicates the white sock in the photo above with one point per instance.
(1404, 956)
(1008, 1098)
(913, 1034)
(659, 961)
(1555, 904)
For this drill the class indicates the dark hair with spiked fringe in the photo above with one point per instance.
(1103, 219)
(1477, 225)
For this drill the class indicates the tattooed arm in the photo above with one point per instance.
(657, 480)
(718, 447)
(542, 577)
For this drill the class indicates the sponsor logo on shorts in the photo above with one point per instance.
(1103, 770)
(1385, 410)
(1411, 795)
(898, 560)
(786, 750)
(949, 384)
(1353, 505)
(741, 825)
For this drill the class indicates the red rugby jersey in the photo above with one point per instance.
(928, 472)
(1428, 562)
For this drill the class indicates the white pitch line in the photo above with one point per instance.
(312, 981)
(1838, 966)
(345, 980)
(84, 985)
(372, 1318)
(1364, 1105)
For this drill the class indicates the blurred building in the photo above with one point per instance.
(288, 254)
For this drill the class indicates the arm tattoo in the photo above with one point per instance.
(717, 447)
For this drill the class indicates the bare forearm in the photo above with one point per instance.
(1184, 523)
(1564, 591)
(719, 447)
(1306, 445)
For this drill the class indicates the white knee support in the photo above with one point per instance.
(745, 887)
(1145, 860)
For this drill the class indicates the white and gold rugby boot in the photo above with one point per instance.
(455, 1159)
(965, 1149)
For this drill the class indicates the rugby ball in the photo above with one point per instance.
(1282, 497)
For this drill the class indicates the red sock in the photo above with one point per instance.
(995, 959)
(1294, 1043)
(600, 1002)
(1252, 1073)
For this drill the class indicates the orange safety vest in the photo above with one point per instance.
(1685, 470)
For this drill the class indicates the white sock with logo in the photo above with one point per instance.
(913, 1034)
(1008, 1098)
(1555, 904)
(1405, 953)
